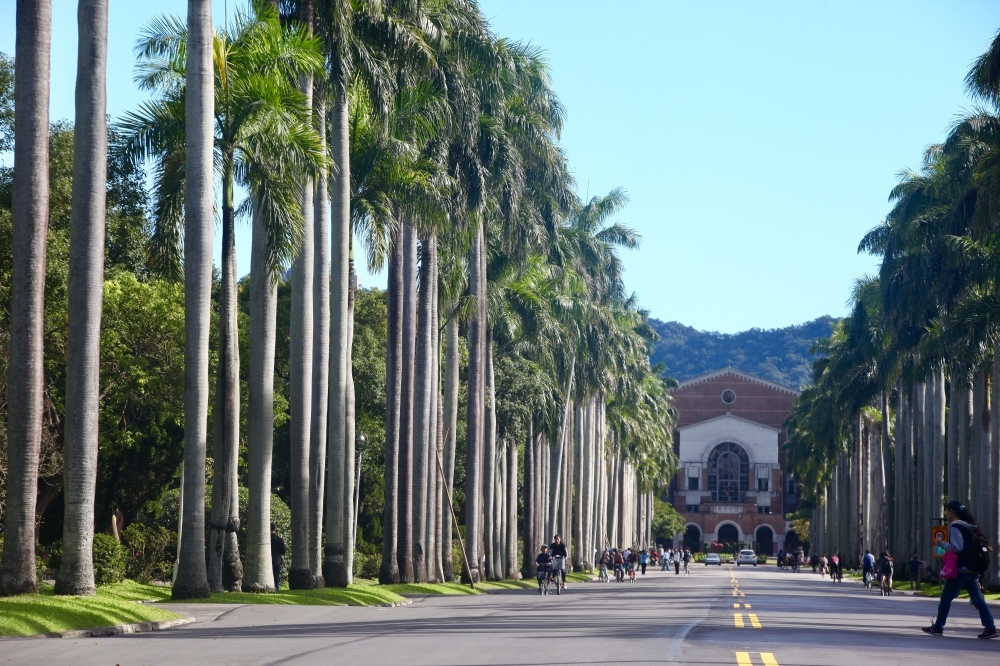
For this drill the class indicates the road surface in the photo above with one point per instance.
(782, 618)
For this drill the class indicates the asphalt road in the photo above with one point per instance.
(787, 619)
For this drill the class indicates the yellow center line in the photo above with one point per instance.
(735, 593)
(736, 605)
(754, 621)
(768, 659)
(747, 606)
(738, 620)
(743, 659)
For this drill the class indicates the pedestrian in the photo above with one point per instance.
(823, 563)
(913, 570)
(962, 532)
(781, 559)
(814, 562)
(687, 561)
(277, 556)
(659, 553)
(678, 554)
(665, 559)
(643, 561)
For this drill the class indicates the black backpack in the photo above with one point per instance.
(975, 555)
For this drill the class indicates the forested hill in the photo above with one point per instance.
(780, 354)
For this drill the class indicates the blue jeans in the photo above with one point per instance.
(966, 581)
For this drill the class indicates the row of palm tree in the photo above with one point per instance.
(898, 417)
(413, 128)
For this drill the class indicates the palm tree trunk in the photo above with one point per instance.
(557, 454)
(433, 551)
(982, 458)
(475, 403)
(530, 501)
(257, 574)
(993, 480)
(350, 520)
(579, 430)
(489, 462)
(406, 411)
(421, 413)
(389, 570)
(511, 511)
(337, 501)
(192, 579)
(225, 569)
(451, 369)
(86, 291)
(321, 355)
(938, 460)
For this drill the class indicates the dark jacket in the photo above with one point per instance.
(277, 547)
(558, 550)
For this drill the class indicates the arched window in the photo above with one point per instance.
(728, 473)
(728, 534)
(692, 538)
(765, 540)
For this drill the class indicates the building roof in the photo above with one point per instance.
(739, 374)
(727, 415)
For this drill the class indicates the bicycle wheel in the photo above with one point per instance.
(558, 585)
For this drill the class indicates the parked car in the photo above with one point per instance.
(713, 558)
(746, 557)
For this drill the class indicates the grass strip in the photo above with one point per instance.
(929, 590)
(30, 614)
(353, 595)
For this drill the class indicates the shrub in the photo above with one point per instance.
(148, 552)
(366, 566)
(109, 560)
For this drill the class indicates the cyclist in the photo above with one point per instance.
(868, 568)
(558, 549)
(603, 566)
(542, 563)
(633, 560)
(883, 571)
(619, 561)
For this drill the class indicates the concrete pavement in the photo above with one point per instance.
(782, 618)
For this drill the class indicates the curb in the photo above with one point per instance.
(396, 604)
(120, 629)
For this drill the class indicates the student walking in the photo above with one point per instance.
(963, 542)
(687, 561)
(913, 570)
(277, 556)
(643, 561)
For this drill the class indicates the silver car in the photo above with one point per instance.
(746, 557)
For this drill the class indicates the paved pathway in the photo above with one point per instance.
(783, 618)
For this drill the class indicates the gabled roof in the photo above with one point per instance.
(727, 415)
(739, 374)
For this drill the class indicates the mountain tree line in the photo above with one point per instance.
(518, 387)
(900, 416)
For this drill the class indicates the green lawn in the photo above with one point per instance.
(929, 590)
(30, 614)
(359, 594)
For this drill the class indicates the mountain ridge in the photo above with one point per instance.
(779, 354)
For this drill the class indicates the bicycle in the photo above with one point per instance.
(795, 566)
(543, 580)
(602, 574)
(619, 573)
(886, 586)
(631, 572)
(558, 572)
(868, 580)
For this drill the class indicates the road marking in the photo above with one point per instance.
(743, 659)
(754, 621)
(768, 659)
(736, 605)
(735, 593)
(747, 606)
(738, 620)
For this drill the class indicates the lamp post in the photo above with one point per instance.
(358, 445)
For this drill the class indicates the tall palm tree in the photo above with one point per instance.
(265, 141)
(192, 579)
(86, 290)
(29, 224)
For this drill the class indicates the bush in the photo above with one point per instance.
(148, 555)
(366, 566)
(109, 560)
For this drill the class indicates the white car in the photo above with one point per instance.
(713, 558)
(746, 557)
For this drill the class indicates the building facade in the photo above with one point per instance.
(731, 486)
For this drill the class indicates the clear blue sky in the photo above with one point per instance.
(758, 141)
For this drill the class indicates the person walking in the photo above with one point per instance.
(962, 532)
(678, 555)
(665, 560)
(643, 561)
(781, 559)
(823, 563)
(687, 561)
(814, 562)
(277, 556)
(913, 570)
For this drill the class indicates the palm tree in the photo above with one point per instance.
(86, 290)
(192, 579)
(29, 222)
(265, 142)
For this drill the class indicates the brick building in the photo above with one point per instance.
(731, 486)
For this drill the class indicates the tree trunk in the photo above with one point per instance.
(474, 408)
(530, 502)
(451, 380)
(225, 570)
(350, 454)
(321, 355)
(557, 455)
(433, 556)
(579, 431)
(389, 570)
(490, 464)
(422, 412)
(338, 502)
(510, 513)
(406, 411)
(258, 575)
(993, 481)
(938, 460)
(86, 292)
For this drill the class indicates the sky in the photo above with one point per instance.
(758, 141)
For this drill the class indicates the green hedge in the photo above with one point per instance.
(109, 560)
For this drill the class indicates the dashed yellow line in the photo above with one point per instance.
(768, 659)
(743, 659)
(754, 621)
(736, 605)
(747, 606)
(738, 620)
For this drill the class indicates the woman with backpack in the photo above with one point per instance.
(967, 543)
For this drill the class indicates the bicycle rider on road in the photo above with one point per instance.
(558, 549)
(542, 563)
(868, 565)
